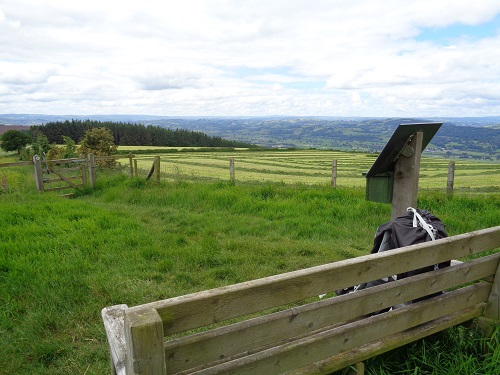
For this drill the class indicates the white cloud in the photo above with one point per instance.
(222, 57)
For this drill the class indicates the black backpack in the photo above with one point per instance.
(416, 226)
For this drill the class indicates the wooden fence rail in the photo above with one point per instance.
(335, 174)
(16, 164)
(133, 169)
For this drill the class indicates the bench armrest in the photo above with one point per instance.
(113, 318)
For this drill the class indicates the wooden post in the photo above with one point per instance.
(451, 178)
(231, 169)
(493, 309)
(92, 174)
(144, 342)
(334, 173)
(359, 369)
(38, 172)
(406, 171)
(83, 170)
(4, 183)
(114, 324)
(157, 168)
(83, 173)
(491, 316)
(130, 164)
(135, 168)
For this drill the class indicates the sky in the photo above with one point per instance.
(390, 58)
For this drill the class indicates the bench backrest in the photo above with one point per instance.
(286, 327)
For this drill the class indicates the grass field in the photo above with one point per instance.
(131, 241)
(313, 167)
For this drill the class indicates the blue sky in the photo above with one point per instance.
(455, 32)
(251, 58)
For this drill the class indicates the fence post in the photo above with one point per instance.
(157, 168)
(451, 178)
(92, 174)
(130, 164)
(334, 173)
(135, 168)
(4, 183)
(231, 169)
(406, 172)
(38, 172)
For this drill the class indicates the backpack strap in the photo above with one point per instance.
(418, 219)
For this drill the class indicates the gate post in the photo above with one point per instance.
(38, 172)
(83, 173)
(92, 174)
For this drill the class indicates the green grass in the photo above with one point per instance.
(128, 241)
(458, 350)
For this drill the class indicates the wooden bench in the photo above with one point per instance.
(278, 324)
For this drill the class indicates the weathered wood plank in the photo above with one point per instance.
(69, 169)
(16, 164)
(313, 348)
(144, 342)
(211, 306)
(113, 318)
(65, 161)
(52, 180)
(194, 350)
(62, 188)
(389, 343)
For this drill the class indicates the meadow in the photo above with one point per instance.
(134, 241)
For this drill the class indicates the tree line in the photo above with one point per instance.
(128, 134)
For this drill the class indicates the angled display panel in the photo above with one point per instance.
(388, 156)
(380, 177)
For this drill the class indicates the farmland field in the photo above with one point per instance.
(313, 167)
(131, 241)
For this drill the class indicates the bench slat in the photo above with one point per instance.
(299, 353)
(195, 350)
(203, 308)
(380, 346)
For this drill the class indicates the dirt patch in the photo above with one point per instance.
(4, 128)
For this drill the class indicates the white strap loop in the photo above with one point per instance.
(428, 228)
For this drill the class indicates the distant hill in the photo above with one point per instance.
(460, 137)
